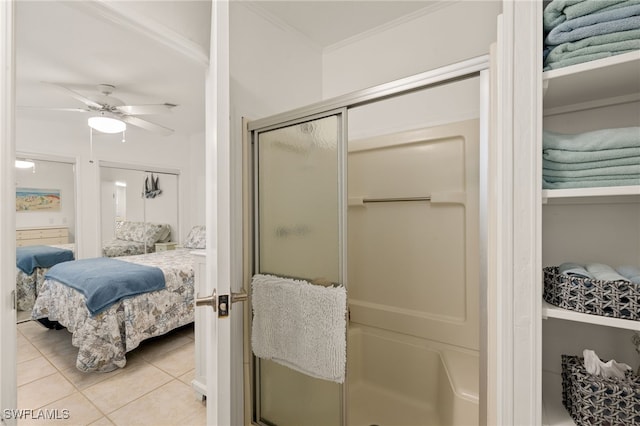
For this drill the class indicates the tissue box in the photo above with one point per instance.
(616, 299)
(593, 400)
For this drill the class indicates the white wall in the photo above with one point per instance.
(273, 69)
(455, 32)
(194, 190)
(141, 149)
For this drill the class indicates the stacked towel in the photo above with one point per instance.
(607, 157)
(578, 31)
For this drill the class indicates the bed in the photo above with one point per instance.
(29, 282)
(104, 339)
(136, 238)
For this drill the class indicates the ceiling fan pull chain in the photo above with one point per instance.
(90, 145)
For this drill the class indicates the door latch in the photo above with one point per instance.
(220, 304)
(223, 305)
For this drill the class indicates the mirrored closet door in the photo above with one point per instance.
(45, 216)
(139, 210)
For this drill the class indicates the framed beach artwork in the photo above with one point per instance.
(37, 199)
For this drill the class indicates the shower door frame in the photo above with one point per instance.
(341, 113)
(474, 67)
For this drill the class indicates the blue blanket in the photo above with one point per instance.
(31, 257)
(104, 280)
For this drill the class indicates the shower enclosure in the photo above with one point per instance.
(380, 192)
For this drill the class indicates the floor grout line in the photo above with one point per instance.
(142, 361)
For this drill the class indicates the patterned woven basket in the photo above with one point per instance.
(616, 299)
(593, 400)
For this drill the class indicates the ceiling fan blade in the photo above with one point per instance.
(30, 108)
(147, 125)
(145, 109)
(88, 102)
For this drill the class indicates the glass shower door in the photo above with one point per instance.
(299, 230)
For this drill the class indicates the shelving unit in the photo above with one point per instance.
(598, 83)
(598, 89)
(550, 311)
(632, 193)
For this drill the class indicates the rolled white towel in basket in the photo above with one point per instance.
(300, 325)
(574, 270)
(630, 272)
(604, 272)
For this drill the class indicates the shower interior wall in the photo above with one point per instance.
(413, 266)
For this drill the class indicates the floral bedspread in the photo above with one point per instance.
(104, 339)
(28, 285)
(117, 248)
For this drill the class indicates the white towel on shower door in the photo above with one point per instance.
(300, 325)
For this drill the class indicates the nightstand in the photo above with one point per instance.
(166, 246)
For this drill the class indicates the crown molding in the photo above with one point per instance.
(433, 7)
(279, 23)
(114, 12)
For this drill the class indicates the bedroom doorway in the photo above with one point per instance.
(49, 143)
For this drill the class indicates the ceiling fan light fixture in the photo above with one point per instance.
(24, 164)
(107, 124)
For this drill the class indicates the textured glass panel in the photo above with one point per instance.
(299, 236)
(298, 200)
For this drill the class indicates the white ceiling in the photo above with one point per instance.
(60, 42)
(80, 45)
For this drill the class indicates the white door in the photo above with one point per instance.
(219, 348)
(7, 216)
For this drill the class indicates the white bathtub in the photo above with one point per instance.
(396, 380)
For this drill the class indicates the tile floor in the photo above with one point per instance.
(153, 389)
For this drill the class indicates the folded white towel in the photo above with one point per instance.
(608, 370)
(604, 272)
(300, 325)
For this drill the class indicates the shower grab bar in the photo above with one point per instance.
(393, 200)
(359, 201)
(436, 198)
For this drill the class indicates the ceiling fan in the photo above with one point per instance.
(108, 107)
